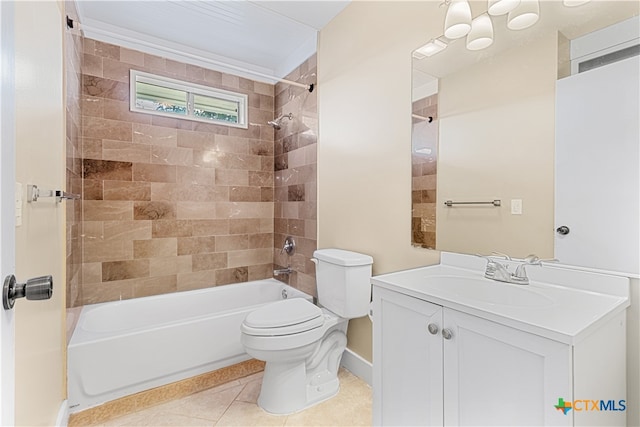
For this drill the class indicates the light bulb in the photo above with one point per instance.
(457, 21)
(525, 15)
(481, 34)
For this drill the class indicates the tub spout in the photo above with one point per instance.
(280, 271)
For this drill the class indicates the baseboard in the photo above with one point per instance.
(358, 366)
(63, 414)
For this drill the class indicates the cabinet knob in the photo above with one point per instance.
(447, 334)
(433, 328)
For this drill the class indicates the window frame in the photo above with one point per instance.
(190, 89)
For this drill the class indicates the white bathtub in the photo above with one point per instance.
(124, 347)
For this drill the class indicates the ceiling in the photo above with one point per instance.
(573, 22)
(268, 37)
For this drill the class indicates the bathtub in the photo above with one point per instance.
(124, 347)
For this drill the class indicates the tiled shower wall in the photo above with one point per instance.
(424, 170)
(73, 60)
(169, 204)
(295, 176)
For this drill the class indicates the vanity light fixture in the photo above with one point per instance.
(431, 48)
(500, 7)
(481, 34)
(574, 3)
(524, 15)
(457, 21)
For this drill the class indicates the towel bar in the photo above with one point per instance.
(34, 193)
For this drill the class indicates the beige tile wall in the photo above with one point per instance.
(170, 205)
(424, 179)
(73, 59)
(296, 176)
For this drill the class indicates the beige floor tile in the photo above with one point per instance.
(156, 418)
(234, 404)
(249, 414)
(250, 392)
(350, 407)
(250, 378)
(209, 404)
(346, 376)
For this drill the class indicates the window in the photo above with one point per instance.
(167, 97)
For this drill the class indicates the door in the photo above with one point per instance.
(499, 376)
(7, 222)
(597, 195)
(407, 361)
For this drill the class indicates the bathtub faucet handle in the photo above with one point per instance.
(289, 246)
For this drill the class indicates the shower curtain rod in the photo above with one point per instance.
(71, 25)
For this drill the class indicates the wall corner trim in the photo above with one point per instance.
(358, 366)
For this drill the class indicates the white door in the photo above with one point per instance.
(597, 195)
(7, 221)
(500, 376)
(407, 361)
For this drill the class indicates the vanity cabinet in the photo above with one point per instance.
(434, 365)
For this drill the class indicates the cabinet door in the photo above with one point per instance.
(407, 361)
(496, 375)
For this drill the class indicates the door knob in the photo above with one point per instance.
(34, 289)
(447, 334)
(563, 230)
(433, 328)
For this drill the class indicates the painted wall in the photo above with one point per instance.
(364, 161)
(40, 240)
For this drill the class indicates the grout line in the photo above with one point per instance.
(230, 403)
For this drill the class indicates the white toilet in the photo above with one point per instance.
(301, 343)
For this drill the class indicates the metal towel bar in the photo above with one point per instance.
(34, 193)
(450, 203)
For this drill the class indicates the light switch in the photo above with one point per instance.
(18, 197)
(516, 206)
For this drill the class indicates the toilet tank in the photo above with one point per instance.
(343, 281)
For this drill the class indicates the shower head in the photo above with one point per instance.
(275, 123)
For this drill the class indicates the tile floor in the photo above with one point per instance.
(234, 404)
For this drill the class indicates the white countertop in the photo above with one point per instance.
(560, 303)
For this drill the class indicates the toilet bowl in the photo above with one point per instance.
(302, 343)
(302, 356)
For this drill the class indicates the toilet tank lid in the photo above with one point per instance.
(342, 257)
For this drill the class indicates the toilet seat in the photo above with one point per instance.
(286, 317)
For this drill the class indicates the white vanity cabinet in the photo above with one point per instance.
(483, 373)
(452, 348)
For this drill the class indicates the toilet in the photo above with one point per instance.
(302, 343)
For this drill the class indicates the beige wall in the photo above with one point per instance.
(364, 162)
(40, 240)
(497, 142)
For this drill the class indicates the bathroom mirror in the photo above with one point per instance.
(483, 131)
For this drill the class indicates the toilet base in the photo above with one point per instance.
(291, 387)
(284, 398)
